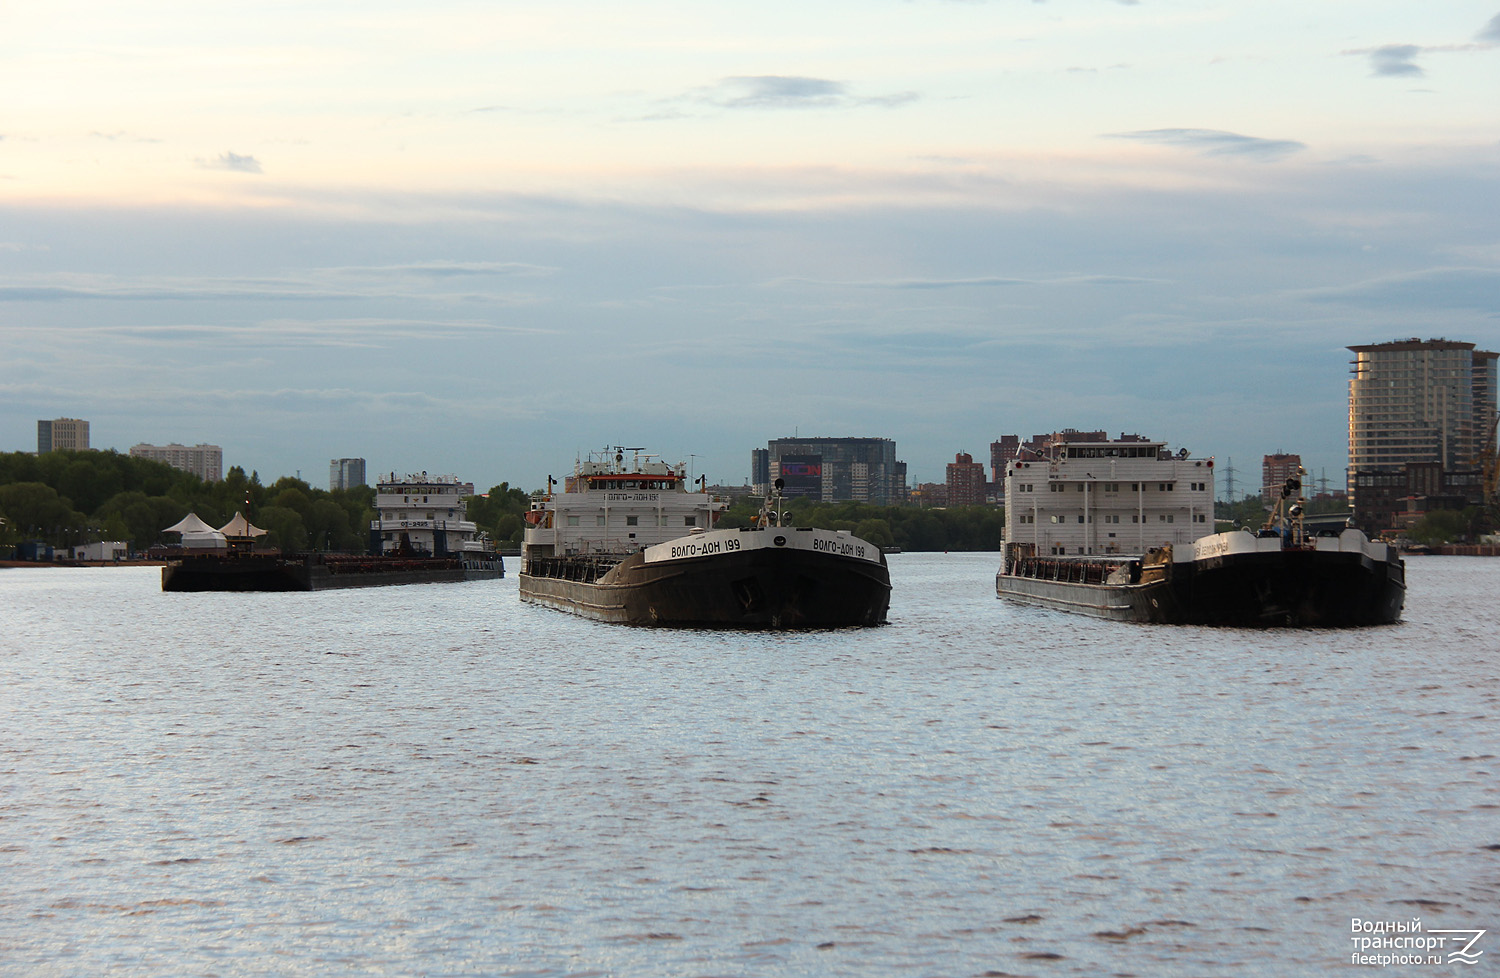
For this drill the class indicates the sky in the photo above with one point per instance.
(485, 238)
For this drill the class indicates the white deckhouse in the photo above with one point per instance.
(1107, 497)
(423, 514)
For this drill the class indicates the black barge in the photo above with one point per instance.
(271, 570)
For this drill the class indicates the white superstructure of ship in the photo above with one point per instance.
(1080, 495)
(424, 514)
(615, 504)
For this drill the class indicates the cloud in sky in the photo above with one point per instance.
(268, 334)
(232, 161)
(449, 269)
(159, 293)
(417, 281)
(1214, 142)
(780, 254)
(1400, 60)
(122, 136)
(1395, 60)
(978, 282)
(795, 92)
(1460, 288)
(838, 319)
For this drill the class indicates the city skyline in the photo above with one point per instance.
(485, 240)
(1229, 483)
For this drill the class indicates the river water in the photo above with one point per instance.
(438, 780)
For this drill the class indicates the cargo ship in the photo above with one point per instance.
(419, 536)
(1114, 529)
(631, 542)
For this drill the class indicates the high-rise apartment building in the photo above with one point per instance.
(1002, 451)
(345, 473)
(1419, 401)
(966, 482)
(1274, 471)
(1486, 396)
(760, 470)
(204, 461)
(1417, 405)
(835, 469)
(62, 434)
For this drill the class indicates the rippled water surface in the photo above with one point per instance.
(438, 780)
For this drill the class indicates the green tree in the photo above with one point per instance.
(114, 528)
(509, 531)
(37, 512)
(876, 531)
(144, 517)
(88, 484)
(499, 514)
(292, 497)
(106, 493)
(924, 531)
(737, 516)
(19, 467)
(284, 527)
(359, 506)
(328, 527)
(236, 493)
(1442, 526)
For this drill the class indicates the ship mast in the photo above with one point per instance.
(770, 509)
(1286, 516)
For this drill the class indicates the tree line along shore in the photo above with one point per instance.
(66, 498)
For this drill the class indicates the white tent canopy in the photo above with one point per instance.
(241, 527)
(196, 533)
(190, 524)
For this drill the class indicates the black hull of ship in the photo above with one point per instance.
(755, 589)
(319, 572)
(1294, 589)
